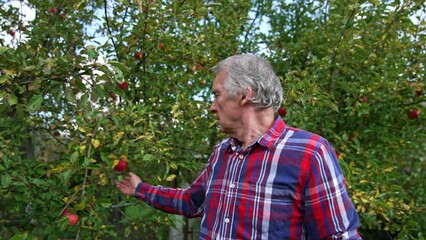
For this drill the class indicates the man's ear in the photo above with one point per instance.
(247, 96)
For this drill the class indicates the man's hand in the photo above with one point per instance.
(128, 184)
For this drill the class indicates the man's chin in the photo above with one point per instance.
(222, 129)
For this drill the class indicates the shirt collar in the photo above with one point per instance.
(268, 139)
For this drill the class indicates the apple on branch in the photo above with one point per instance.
(120, 165)
(123, 85)
(53, 10)
(65, 212)
(413, 114)
(72, 219)
(139, 55)
(197, 67)
(282, 111)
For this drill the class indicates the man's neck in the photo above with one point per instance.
(255, 123)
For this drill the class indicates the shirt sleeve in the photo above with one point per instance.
(329, 212)
(187, 202)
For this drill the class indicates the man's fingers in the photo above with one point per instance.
(125, 182)
(125, 190)
(126, 185)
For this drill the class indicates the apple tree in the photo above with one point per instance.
(354, 72)
(90, 89)
(87, 84)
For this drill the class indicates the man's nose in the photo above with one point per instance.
(213, 107)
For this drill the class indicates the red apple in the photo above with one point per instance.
(413, 114)
(364, 99)
(120, 165)
(73, 219)
(196, 67)
(419, 92)
(53, 10)
(11, 32)
(123, 85)
(138, 55)
(65, 212)
(161, 45)
(282, 111)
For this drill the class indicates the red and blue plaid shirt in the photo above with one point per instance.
(287, 185)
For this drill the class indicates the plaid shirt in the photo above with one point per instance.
(287, 185)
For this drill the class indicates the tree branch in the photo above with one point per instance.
(109, 29)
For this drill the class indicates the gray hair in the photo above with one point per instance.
(251, 71)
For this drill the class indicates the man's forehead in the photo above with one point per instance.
(219, 79)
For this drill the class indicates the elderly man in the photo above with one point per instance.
(267, 180)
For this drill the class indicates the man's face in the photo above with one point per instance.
(227, 109)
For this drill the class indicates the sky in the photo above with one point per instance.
(28, 14)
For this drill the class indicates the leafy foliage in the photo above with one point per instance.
(351, 72)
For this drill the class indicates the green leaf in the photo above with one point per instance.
(132, 212)
(69, 95)
(118, 74)
(333, 106)
(74, 156)
(120, 66)
(35, 103)
(4, 79)
(12, 99)
(84, 101)
(5, 181)
(106, 204)
(148, 157)
(20, 236)
(80, 85)
(91, 52)
(85, 163)
(3, 49)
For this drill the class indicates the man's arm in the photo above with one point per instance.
(329, 212)
(187, 202)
